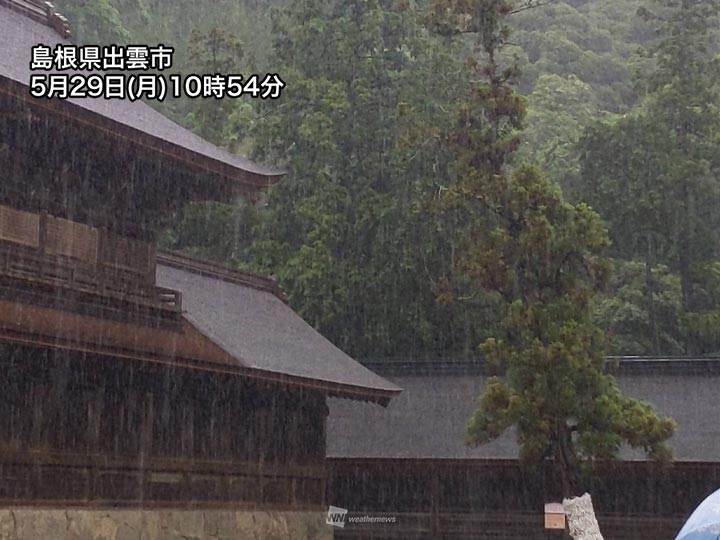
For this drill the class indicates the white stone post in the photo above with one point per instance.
(581, 518)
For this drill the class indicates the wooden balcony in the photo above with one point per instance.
(62, 264)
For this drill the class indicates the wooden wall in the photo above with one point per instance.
(61, 166)
(478, 499)
(86, 429)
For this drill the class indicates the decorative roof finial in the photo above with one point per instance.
(40, 11)
(57, 21)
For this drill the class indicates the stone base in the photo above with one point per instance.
(53, 524)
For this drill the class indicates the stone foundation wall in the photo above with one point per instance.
(46, 524)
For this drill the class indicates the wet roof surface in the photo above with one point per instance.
(262, 332)
(18, 33)
(429, 418)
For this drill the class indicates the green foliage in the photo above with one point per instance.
(654, 172)
(214, 231)
(624, 164)
(351, 233)
(703, 324)
(211, 52)
(624, 310)
(548, 265)
(560, 110)
(95, 21)
(575, 51)
(576, 58)
(594, 42)
(220, 232)
(544, 257)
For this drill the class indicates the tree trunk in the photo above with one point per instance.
(691, 345)
(682, 129)
(565, 460)
(650, 292)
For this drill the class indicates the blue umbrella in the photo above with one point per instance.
(704, 523)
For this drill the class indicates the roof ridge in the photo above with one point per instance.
(461, 366)
(390, 360)
(42, 12)
(221, 272)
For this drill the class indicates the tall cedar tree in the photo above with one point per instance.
(216, 231)
(543, 256)
(215, 51)
(357, 131)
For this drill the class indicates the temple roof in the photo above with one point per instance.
(231, 322)
(429, 418)
(247, 317)
(19, 31)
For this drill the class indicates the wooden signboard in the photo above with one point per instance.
(554, 516)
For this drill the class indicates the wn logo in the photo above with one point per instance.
(336, 516)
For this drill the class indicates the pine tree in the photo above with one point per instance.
(544, 257)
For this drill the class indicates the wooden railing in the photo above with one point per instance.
(75, 266)
(55, 272)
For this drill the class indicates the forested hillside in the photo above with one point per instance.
(366, 233)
